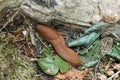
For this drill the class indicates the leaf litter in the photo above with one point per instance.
(92, 47)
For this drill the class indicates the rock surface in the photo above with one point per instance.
(78, 12)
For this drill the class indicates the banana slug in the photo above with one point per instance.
(58, 42)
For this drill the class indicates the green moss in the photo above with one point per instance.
(13, 65)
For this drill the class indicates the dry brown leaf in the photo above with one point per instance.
(102, 77)
(110, 72)
(72, 74)
(116, 66)
(108, 65)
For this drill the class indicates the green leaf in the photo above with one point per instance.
(63, 65)
(89, 64)
(52, 64)
(90, 55)
(48, 66)
(115, 52)
(97, 26)
(85, 41)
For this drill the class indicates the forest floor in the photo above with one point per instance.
(21, 51)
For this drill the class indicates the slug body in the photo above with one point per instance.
(58, 42)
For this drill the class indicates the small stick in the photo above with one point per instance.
(96, 68)
(98, 63)
(43, 43)
(116, 36)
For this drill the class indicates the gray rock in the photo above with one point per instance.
(78, 12)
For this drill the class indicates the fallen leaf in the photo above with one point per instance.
(116, 66)
(52, 64)
(98, 26)
(110, 72)
(90, 55)
(48, 66)
(115, 52)
(85, 41)
(102, 77)
(63, 66)
(72, 74)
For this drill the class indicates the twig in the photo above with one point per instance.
(11, 19)
(42, 42)
(98, 63)
(110, 78)
(96, 68)
(115, 35)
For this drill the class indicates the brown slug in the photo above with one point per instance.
(58, 42)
